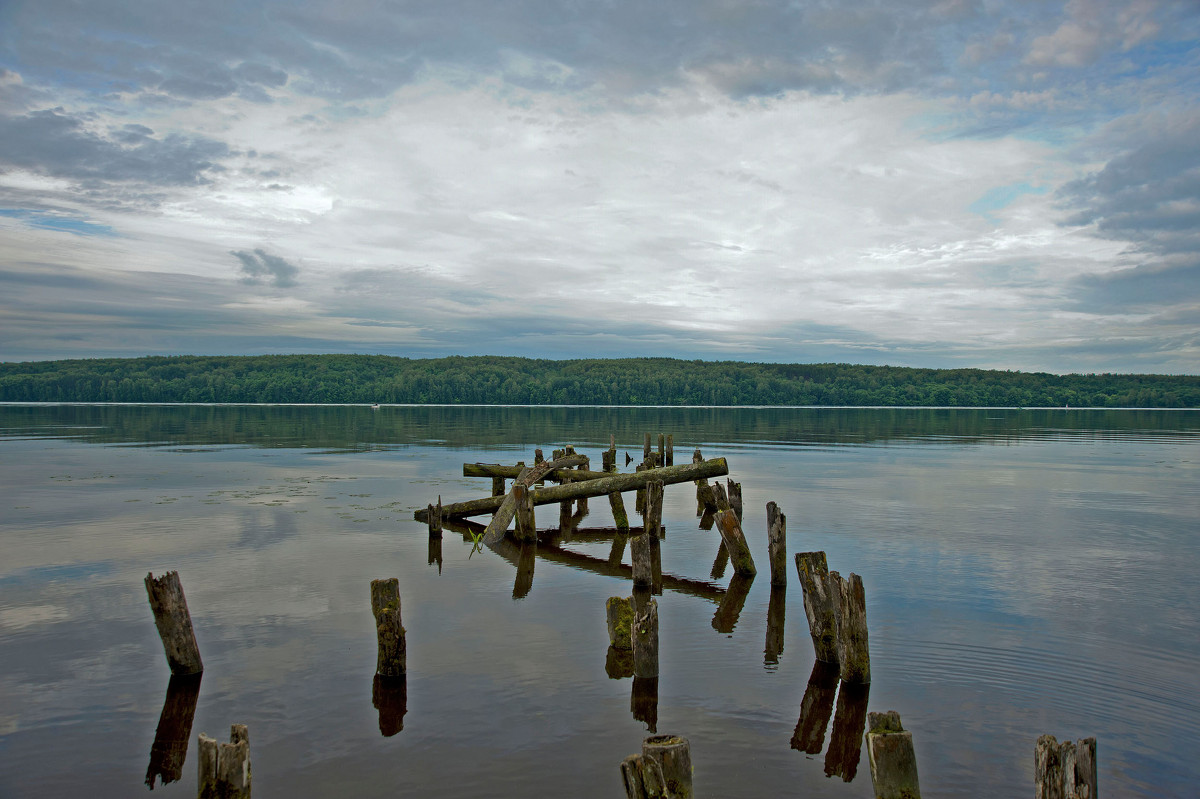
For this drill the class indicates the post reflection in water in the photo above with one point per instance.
(169, 750)
(816, 708)
(435, 553)
(525, 561)
(617, 553)
(643, 701)
(389, 695)
(618, 664)
(720, 562)
(845, 741)
(731, 605)
(776, 610)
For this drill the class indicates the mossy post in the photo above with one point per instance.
(735, 543)
(645, 639)
(890, 753)
(498, 487)
(385, 604)
(224, 769)
(777, 545)
(619, 610)
(174, 623)
(720, 497)
(821, 597)
(1064, 770)
(526, 520)
(673, 754)
(642, 778)
(853, 652)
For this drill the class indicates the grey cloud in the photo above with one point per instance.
(254, 72)
(1147, 287)
(260, 266)
(57, 143)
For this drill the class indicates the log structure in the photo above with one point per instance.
(224, 768)
(174, 623)
(385, 604)
(890, 753)
(1064, 770)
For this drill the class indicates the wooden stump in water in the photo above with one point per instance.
(735, 498)
(174, 623)
(673, 754)
(645, 639)
(720, 497)
(646, 449)
(434, 513)
(1064, 770)
(777, 545)
(619, 610)
(169, 750)
(853, 652)
(662, 450)
(670, 450)
(821, 597)
(643, 559)
(385, 604)
(890, 754)
(735, 543)
(224, 769)
(642, 778)
(652, 515)
(526, 519)
(498, 487)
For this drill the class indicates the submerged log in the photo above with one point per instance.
(606, 484)
(735, 543)
(385, 604)
(777, 545)
(224, 769)
(821, 598)
(891, 757)
(174, 623)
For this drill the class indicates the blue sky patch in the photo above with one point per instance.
(1000, 197)
(47, 221)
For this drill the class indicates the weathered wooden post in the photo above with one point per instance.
(735, 497)
(1064, 770)
(526, 520)
(670, 450)
(673, 755)
(642, 778)
(853, 652)
(890, 753)
(642, 557)
(435, 519)
(385, 604)
(174, 731)
(662, 450)
(815, 708)
(174, 623)
(719, 496)
(735, 543)
(389, 695)
(652, 512)
(777, 545)
(224, 769)
(619, 610)
(646, 449)
(498, 487)
(821, 597)
(776, 610)
(845, 738)
(645, 639)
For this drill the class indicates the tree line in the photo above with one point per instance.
(493, 380)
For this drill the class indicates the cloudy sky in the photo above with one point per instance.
(940, 183)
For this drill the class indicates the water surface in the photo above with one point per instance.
(1026, 572)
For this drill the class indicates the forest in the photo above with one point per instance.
(493, 380)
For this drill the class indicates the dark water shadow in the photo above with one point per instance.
(726, 617)
(526, 558)
(169, 750)
(720, 562)
(435, 553)
(815, 709)
(643, 701)
(776, 613)
(845, 741)
(389, 695)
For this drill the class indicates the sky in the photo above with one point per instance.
(949, 183)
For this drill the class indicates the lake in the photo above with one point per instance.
(1026, 572)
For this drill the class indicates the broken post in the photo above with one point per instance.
(642, 557)
(662, 450)
(820, 604)
(735, 543)
(619, 610)
(720, 497)
(853, 653)
(224, 769)
(385, 604)
(735, 497)
(434, 513)
(670, 450)
(498, 487)
(526, 521)
(174, 623)
(645, 639)
(652, 513)
(777, 545)
(646, 449)
(673, 755)
(642, 778)
(1064, 770)
(890, 753)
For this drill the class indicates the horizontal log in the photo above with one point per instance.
(495, 470)
(606, 484)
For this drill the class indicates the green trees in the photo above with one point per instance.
(491, 380)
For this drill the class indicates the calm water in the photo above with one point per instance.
(1026, 572)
